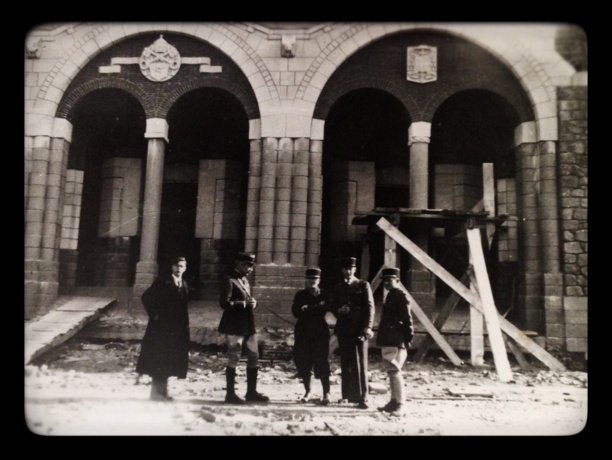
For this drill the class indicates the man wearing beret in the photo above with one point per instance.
(395, 333)
(238, 325)
(353, 307)
(311, 347)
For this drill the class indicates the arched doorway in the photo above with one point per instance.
(204, 189)
(365, 165)
(470, 128)
(107, 151)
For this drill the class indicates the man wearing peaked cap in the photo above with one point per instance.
(311, 346)
(395, 332)
(353, 307)
(238, 325)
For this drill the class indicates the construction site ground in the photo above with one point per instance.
(89, 387)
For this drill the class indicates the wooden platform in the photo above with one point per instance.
(67, 318)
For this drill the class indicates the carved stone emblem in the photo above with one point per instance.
(160, 61)
(422, 64)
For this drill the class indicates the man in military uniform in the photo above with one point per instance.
(311, 347)
(238, 325)
(353, 307)
(395, 332)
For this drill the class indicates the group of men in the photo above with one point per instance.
(164, 349)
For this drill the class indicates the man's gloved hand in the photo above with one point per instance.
(367, 333)
(252, 303)
(344, 309)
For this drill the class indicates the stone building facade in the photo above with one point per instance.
(143, 140)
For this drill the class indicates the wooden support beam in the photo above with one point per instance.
(431, 329)
(488, 186)
(518, 354)
(491, 316)
(476, 324)
(439, 322)
(376, 280)
(474, 300)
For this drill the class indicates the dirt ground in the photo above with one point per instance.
(85, 388)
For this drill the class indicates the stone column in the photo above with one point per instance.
(46, 163)
(421, 281)
(147, 268)
(315, 202)
(299, 202)
(265, 237)
(530, 261)
(282, 206)
(253, 197)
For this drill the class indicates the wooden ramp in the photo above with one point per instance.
(63, 322)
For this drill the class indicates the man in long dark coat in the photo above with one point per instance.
(311, 347)
(353, 306)
(165, 346)
(238, 325)
(395, 333)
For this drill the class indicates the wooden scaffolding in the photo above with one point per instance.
(474, 286)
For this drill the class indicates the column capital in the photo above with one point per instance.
(419, 132)
(525, 133)
(157, 128)
(62, 128)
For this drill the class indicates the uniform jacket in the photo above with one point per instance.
(234, 292)
(164, 349)
(357, 294)
(311, 322)
(395, 328)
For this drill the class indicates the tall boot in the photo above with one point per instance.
(252, 395)
(392, 404)
(325, 385)
(398, 392)
(157, 389)
(230, 396)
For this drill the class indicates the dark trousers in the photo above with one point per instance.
(354, 368)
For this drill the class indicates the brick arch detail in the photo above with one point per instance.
(104, 36)
(250, 106)
(71, 100)
(363, 82)
(512, 54)
(429, 110)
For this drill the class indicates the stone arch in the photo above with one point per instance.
(70, 101)
(520, 61)
(250, 106)
(323, 107)
(105, 35)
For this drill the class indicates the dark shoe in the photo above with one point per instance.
(256, 397)
(362, 405)
(389, 406)
(306, 397)
(324, 401)
(397, 411)
(233, 398)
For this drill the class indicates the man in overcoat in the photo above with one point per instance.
(395, 333)
(238, 325)
(353, 307)
(164, 348)
(311, 334)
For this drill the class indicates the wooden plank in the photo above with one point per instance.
(476, 324)
(431, 329)
(488, 187)
(445, 312)
(376, 280)
(474, 300)
(500, 355)
(518, 354)
(85, 304)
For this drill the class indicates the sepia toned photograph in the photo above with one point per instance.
(305, 229)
